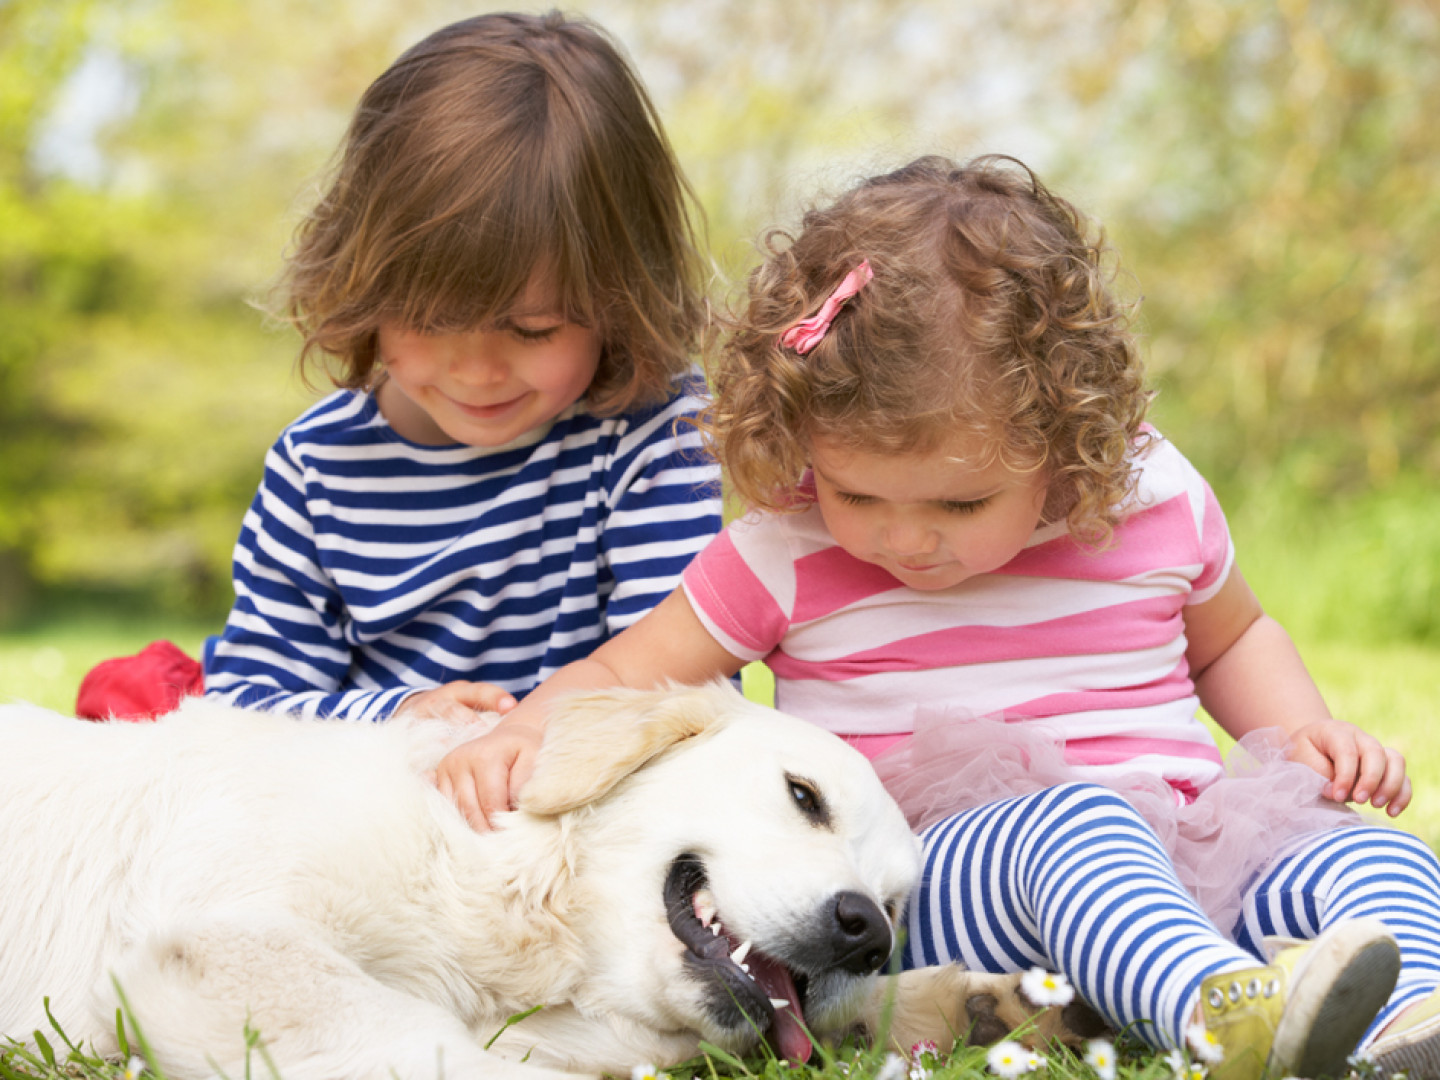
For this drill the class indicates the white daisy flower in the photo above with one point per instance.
(1036, 1061)
(892, 1068)
(647, 1072)
(1043, 988)
(1008, 1060)
(1204, 1045)
(1182, 1068)
(134, 1067)
(1100, 1056)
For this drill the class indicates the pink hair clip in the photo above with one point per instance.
(807, 333)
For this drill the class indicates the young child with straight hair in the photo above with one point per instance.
(968, 555)
(503, 277)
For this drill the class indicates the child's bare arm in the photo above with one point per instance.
(484, 776)
(1249, 675)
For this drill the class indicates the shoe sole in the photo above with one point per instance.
(1417, 1052)
(1421, 1060)
(1318, 1031)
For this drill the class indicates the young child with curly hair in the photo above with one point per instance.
(968, 555)
(503, 277)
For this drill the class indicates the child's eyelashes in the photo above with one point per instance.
(950, 506)
(525, 333)
(534, 334)
(969, 506)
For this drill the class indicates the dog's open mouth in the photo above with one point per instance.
(752, 988)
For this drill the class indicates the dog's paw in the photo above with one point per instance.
(949, 1005)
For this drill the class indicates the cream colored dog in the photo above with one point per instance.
(684, 865)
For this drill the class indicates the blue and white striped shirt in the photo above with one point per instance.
(369, 567)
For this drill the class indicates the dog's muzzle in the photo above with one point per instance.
(750, 989)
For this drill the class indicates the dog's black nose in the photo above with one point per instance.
(861, 934)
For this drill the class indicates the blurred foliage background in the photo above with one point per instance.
(1269, 171)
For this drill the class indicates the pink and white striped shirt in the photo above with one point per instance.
(1092, 644)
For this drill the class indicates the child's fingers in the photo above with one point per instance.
(457, 784)
(487, 697)
(492, 782)
(1344, 770)
(480, 696)
(1307, 753)
(470, 800)
(1398, 804)
(1392, 782)
(1370, 769)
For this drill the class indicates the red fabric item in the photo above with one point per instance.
(139, 687)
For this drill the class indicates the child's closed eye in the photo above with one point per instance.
(534, 334)
(969, 506)
(950, 506)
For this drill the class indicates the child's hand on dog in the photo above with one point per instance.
(484, 776)
(447, 700)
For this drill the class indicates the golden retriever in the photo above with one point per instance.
(684, 865)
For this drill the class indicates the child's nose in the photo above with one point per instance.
(910, 538)
(479, 363)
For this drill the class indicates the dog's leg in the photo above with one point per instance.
(949, 1004)
(195, 992)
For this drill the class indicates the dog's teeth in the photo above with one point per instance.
(715, 928)
(705, 909)
(741, 951)
(745, 968)
(779, 1003)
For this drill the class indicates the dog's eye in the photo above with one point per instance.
(808, 799)
(805, 796)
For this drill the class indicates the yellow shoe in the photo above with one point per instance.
(1304, 1012)
(1412, 1043)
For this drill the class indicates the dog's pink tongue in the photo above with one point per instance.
(786, 1034)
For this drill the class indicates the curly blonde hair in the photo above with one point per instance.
(498, 147)
(989, 314)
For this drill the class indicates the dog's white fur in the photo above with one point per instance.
(305, 879)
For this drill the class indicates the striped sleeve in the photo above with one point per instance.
(742, 587)
(283, 646)
(664, 496)
(1170, 475)
(1217, 552)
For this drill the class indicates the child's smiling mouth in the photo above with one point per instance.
(489, 412)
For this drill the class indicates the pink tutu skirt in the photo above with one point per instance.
(1218, 843)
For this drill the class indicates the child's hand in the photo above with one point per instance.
(448, 699)
(483, 776)
(1360, 769)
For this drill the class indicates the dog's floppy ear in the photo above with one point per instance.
(594, 740)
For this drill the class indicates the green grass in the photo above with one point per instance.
(43, 662)
(55, 1056)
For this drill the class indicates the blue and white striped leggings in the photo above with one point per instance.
(1073, 879)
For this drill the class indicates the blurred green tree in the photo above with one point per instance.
(140, 387)
(1279, 193)
(1265, 167)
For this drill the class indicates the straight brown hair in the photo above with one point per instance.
(499, 147)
